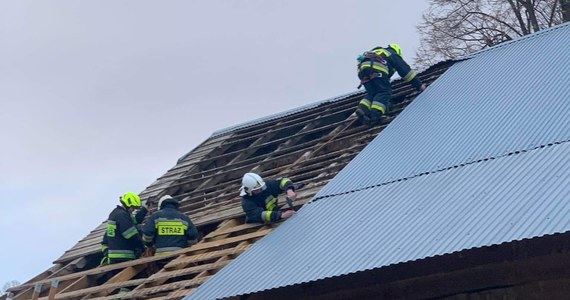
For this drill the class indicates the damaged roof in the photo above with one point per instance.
(309, 145)
(478, 159)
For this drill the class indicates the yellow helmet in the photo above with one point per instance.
(396, 48)
(131, 199)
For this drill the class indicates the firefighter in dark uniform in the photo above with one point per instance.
(259, 198)
(168, 229)
(375, 67)
(146, 210)
(122, 241)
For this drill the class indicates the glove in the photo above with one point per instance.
(139, 252)
(149, 251)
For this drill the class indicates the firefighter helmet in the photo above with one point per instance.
(251, 182)
(130, 199)
(167, 199)
(396, 48)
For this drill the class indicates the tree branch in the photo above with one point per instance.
(517, 13)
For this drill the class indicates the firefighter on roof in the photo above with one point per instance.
(169, 229)
(375, 67)
(259, 198)
(122, 241)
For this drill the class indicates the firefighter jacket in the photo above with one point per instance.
(262, 208)
(122, 237)
(387, 62)
(168, 230)
(138, 217)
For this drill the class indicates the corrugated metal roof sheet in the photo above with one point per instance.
(510, 198)
(480, 158)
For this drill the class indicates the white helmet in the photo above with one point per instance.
(166, 198)
(251, 182)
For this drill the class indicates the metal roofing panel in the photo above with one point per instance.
(507, 98)
(517, 196)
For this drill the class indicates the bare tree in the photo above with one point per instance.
(565, 5)
(8, 285)
(454, 28)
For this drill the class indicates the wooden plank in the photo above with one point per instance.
(286, 140)
(103, 288)
(252, 148)
(285, 152)
(224, 259)
(224, 225)
(182, 261)
(231, 240)
(124, 275)
(180, 293)
(167, 287)
(37, 291)
(187, 271)
(288, 157)
(238, 228)
(24, 295)
(213, 180)
(81, 283)
(53, 289)
(302, 117)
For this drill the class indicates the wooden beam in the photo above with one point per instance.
(183, 261)
(53, 289)
(37, 291)
(81, 283)
(218, 234)
(125, 275)
(164, 288)
(164, 276)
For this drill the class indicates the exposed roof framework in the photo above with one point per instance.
(309, 146)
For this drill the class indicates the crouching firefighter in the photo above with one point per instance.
(168, 229)
(259, 198)
(122, 241)
(375, 67)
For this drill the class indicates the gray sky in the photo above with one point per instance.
(102, 97)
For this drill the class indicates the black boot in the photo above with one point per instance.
(363, 114)
(376, 117)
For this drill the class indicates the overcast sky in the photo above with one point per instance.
(102, 97)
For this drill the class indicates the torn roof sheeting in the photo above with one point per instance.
(480, 158)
